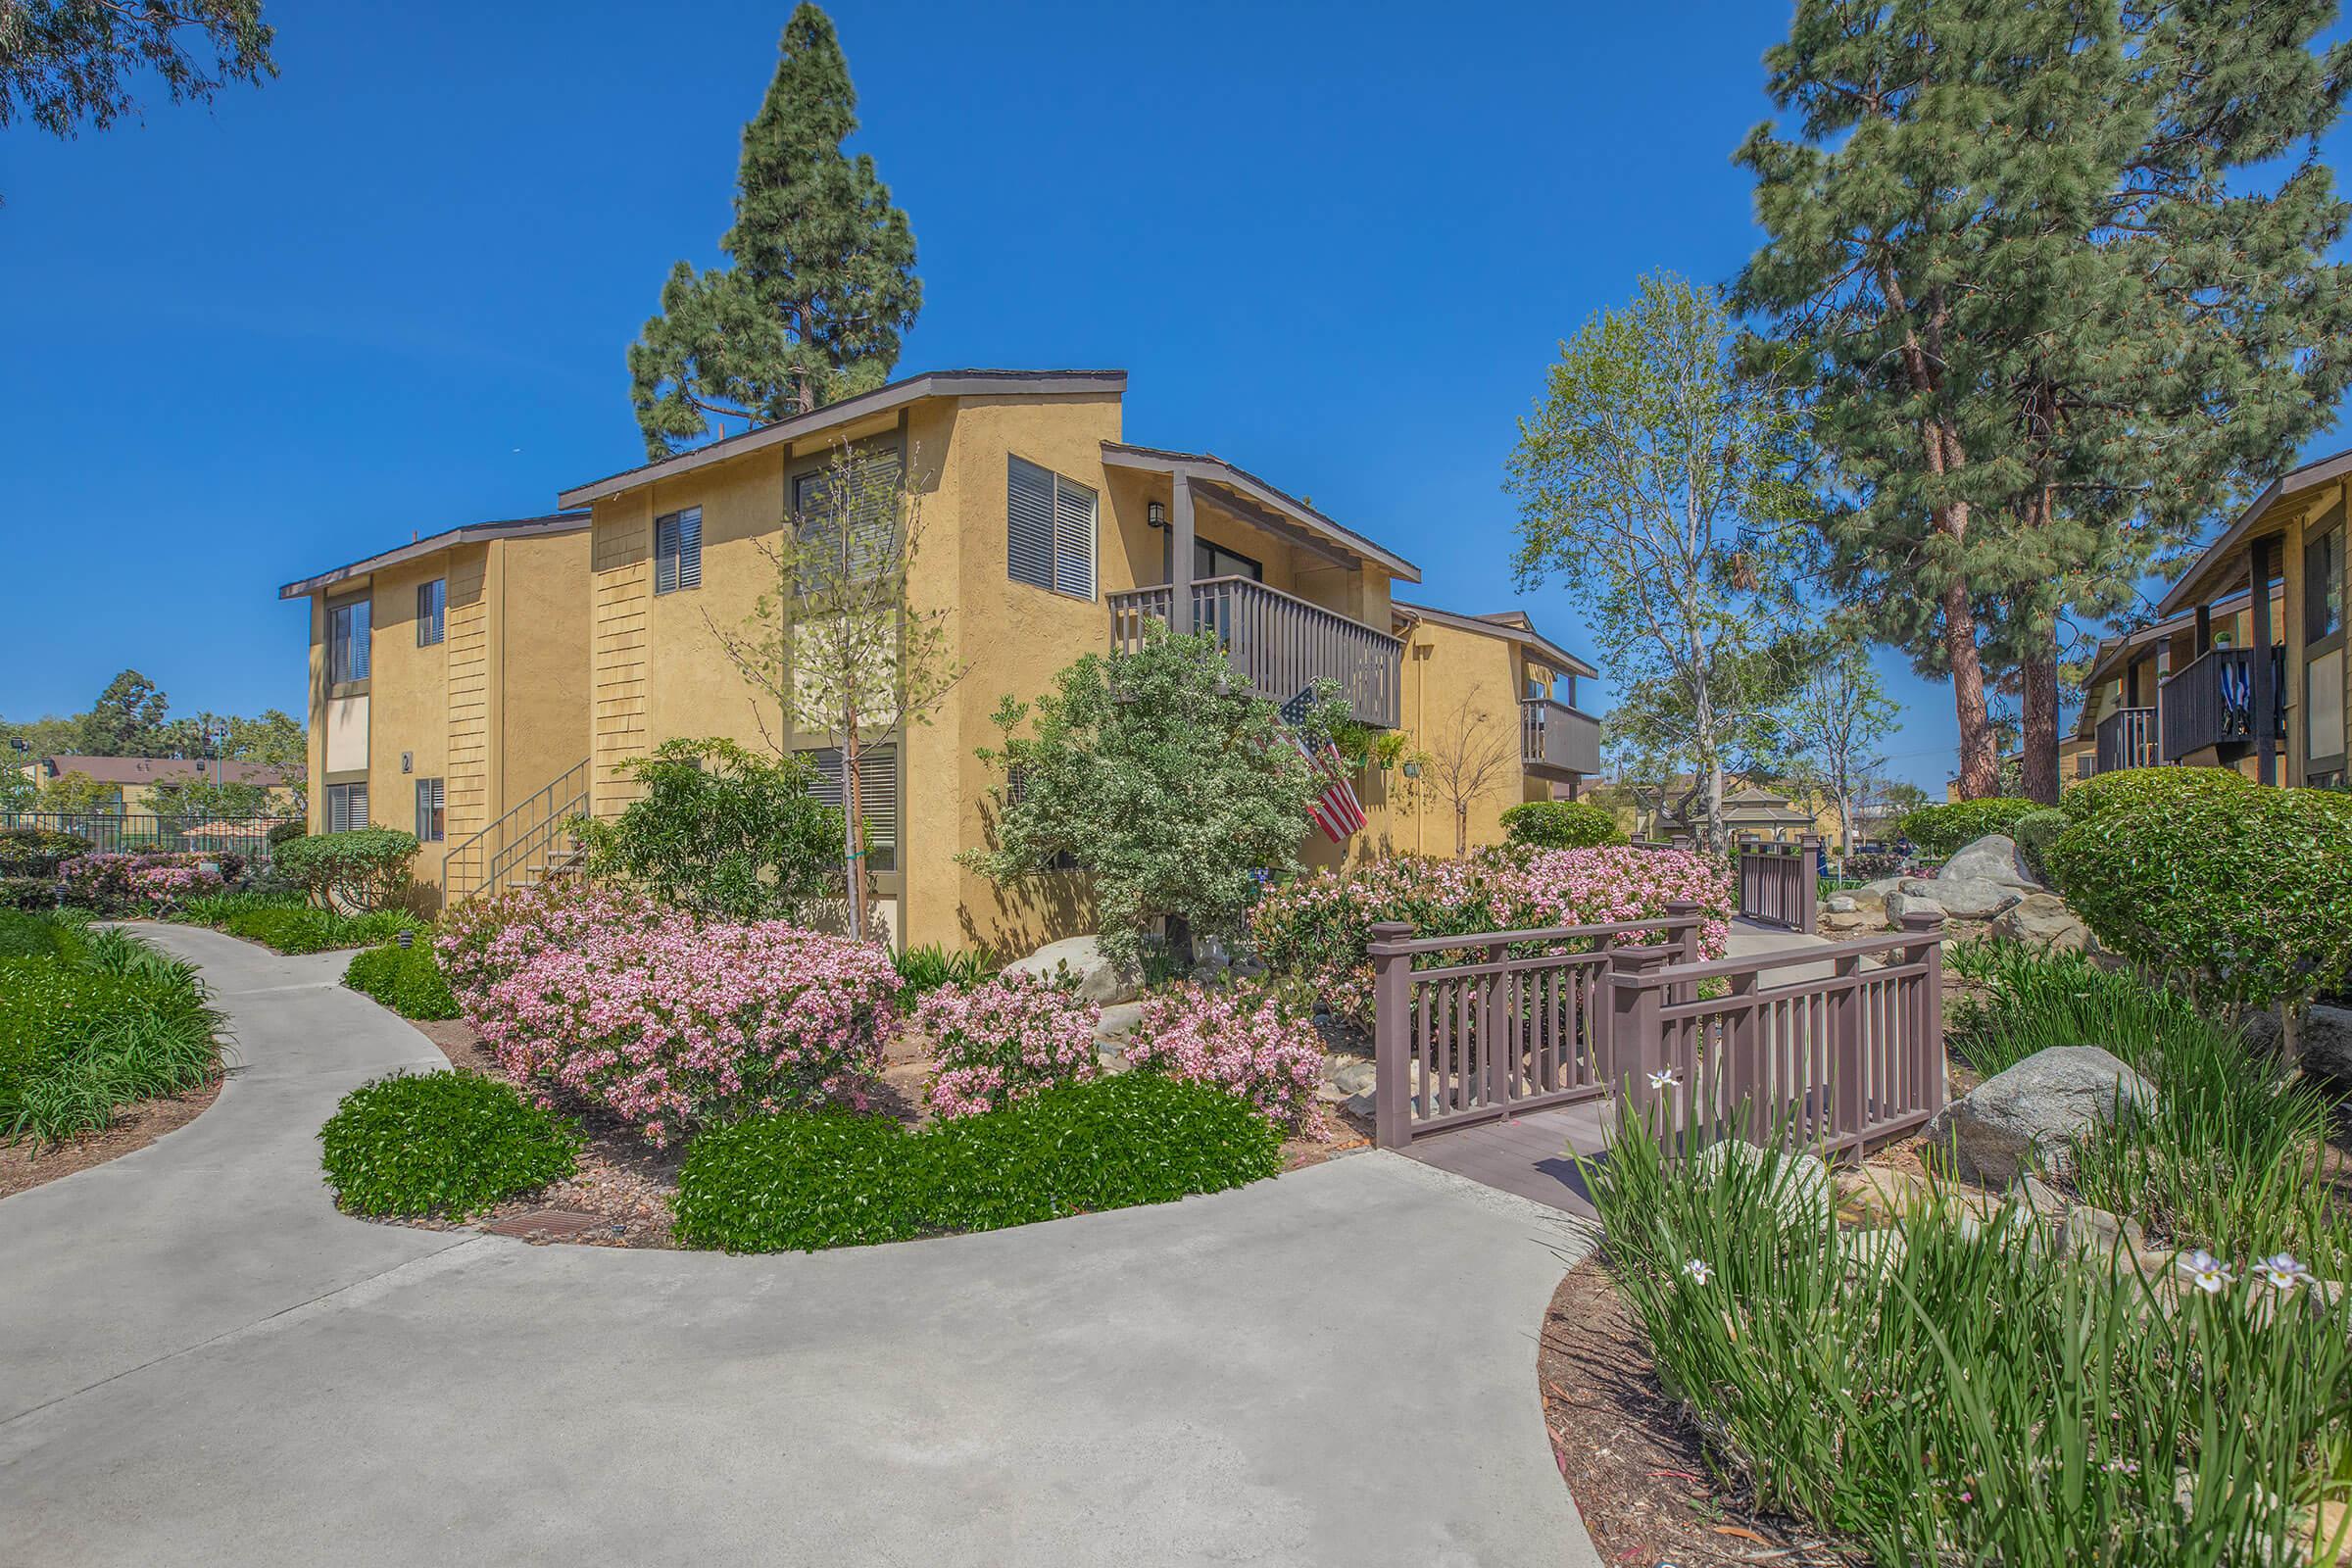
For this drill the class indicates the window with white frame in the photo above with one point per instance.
(347, 641)
(678, 551)
(346, 808)
(1051, 524)
(432, 820)
(432, 612)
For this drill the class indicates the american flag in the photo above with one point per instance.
(1335, 811)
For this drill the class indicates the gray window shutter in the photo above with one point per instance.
(665, 555)
(690, 548)
(877, 793)
(1029, 506)
(1073, 539)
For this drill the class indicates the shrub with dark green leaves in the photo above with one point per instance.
(1560, 826)
(445, 1144)
(286, 832)
(2240, 895)
(719, 829)
(37, 851)
(365, 868)
(802, 1181)
(1944, 829)
(2034, 833)
(408, 980)
(2134, 788)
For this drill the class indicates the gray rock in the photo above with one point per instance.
(1993, 858)
(2042, 921)
(2094, 1232)
(2263, 1032)
(1900, 904)
(1353, 1076)
(1875, 892)
(1875, 1252)
(1797, 1186)
(1962, 898)
(2325, 1042)
(1081, 959)
(1841, 903)
(1363, 1105)
(2023, 1116)
(1111, 1063)
(1118, 1021)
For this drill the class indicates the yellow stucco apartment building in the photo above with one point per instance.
(1045, 534)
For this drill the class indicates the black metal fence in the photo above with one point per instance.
(132, 832)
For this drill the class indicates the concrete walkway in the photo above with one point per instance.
(201, 1362)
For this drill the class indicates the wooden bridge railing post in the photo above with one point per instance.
(1930, 1010)
(1846, 1053)
(1391, 1035)
(1637, 1051)
(1806, 887)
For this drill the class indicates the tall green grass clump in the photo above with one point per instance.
(2030, 999)
(929, 968)
(1970, 1399)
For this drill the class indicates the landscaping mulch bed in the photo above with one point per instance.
(619, 1195)
(1636, 1469)
(23, 1167)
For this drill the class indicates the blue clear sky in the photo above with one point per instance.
(390, 291)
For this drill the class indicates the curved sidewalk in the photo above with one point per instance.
(201, 1361)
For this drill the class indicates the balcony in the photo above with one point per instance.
(2127, 738)
(1557, 738)
(1277, 642)
(2210, 702)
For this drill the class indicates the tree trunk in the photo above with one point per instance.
(1715, 833)
(1980, 764)
(1461, 828)
(853, 815)
(2041, 719)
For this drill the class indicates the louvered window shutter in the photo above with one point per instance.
(690, 548)
(665, 555)
(1073, 539)
(1029, 506)
(877, 793)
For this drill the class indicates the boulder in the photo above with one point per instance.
(1351, 1075)
(1903, 903)
(1797, 1186)
(1118, 1021)
(2094, 1232)
(1961, 898)
(1096, 977)
(2042, 921)
(1841, 903)
(2026, 1114)
(1993, 858)
(2326, 1040)
(1881, 1194)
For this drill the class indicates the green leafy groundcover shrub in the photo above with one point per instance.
(365, 868)
(408, 980)
(1560, 826)
(2134, 788)
(1968, 1400)
(91, 1022)
(300, 928)
(447, 1143)
(36, 851)
(1944, 829)
(2241, 895)
(2034, 833)
(805, 1181)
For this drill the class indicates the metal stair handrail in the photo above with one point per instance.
(484, 862)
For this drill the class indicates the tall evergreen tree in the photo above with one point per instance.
(820, 284)
(2056, 274)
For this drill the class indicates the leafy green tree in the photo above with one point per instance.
(1169, 784)
(720, 830)
(1835, 721)
(68, 64)
(74, 792)
(202, 798)
(820, 285)
(1653, 481)
(127, 719)
(2051, 284)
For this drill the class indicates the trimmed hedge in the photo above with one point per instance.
(366, 867)
(1560, 826)
(2134, 788)
(408, 980)
(2034, 833)
(294, 928)
(805, 1181)
(2242, 895)
(1944, 829)
(37, 853)
(445, 1143)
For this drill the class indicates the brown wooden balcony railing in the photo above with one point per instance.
(2127, 738)
(2210, 702)
(1277, 642)
(1556, 737)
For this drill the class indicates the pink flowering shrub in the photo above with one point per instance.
(1241, 1042)
(112, 881)
(1004, 1041)
(160, 884)
(1317, 928)
(668, 1020)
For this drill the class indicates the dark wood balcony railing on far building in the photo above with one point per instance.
(1556, 738)
(1277, 642)
(2127, 738)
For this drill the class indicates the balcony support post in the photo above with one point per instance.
(1181, 551)
(2262, 554)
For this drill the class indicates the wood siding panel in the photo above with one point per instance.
(622, 572)
(466, 783)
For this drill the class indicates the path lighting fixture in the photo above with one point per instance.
(406, 940)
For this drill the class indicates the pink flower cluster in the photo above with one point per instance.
(1004, 1041)
(668, 1020)
(1244, 1044)
(1318, 927)
(161, 883)
(110, 880)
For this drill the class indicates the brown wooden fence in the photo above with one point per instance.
(1777, 883)
(1838, 1045)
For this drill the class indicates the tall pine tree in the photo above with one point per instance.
(820, 284)
(2056, 273)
